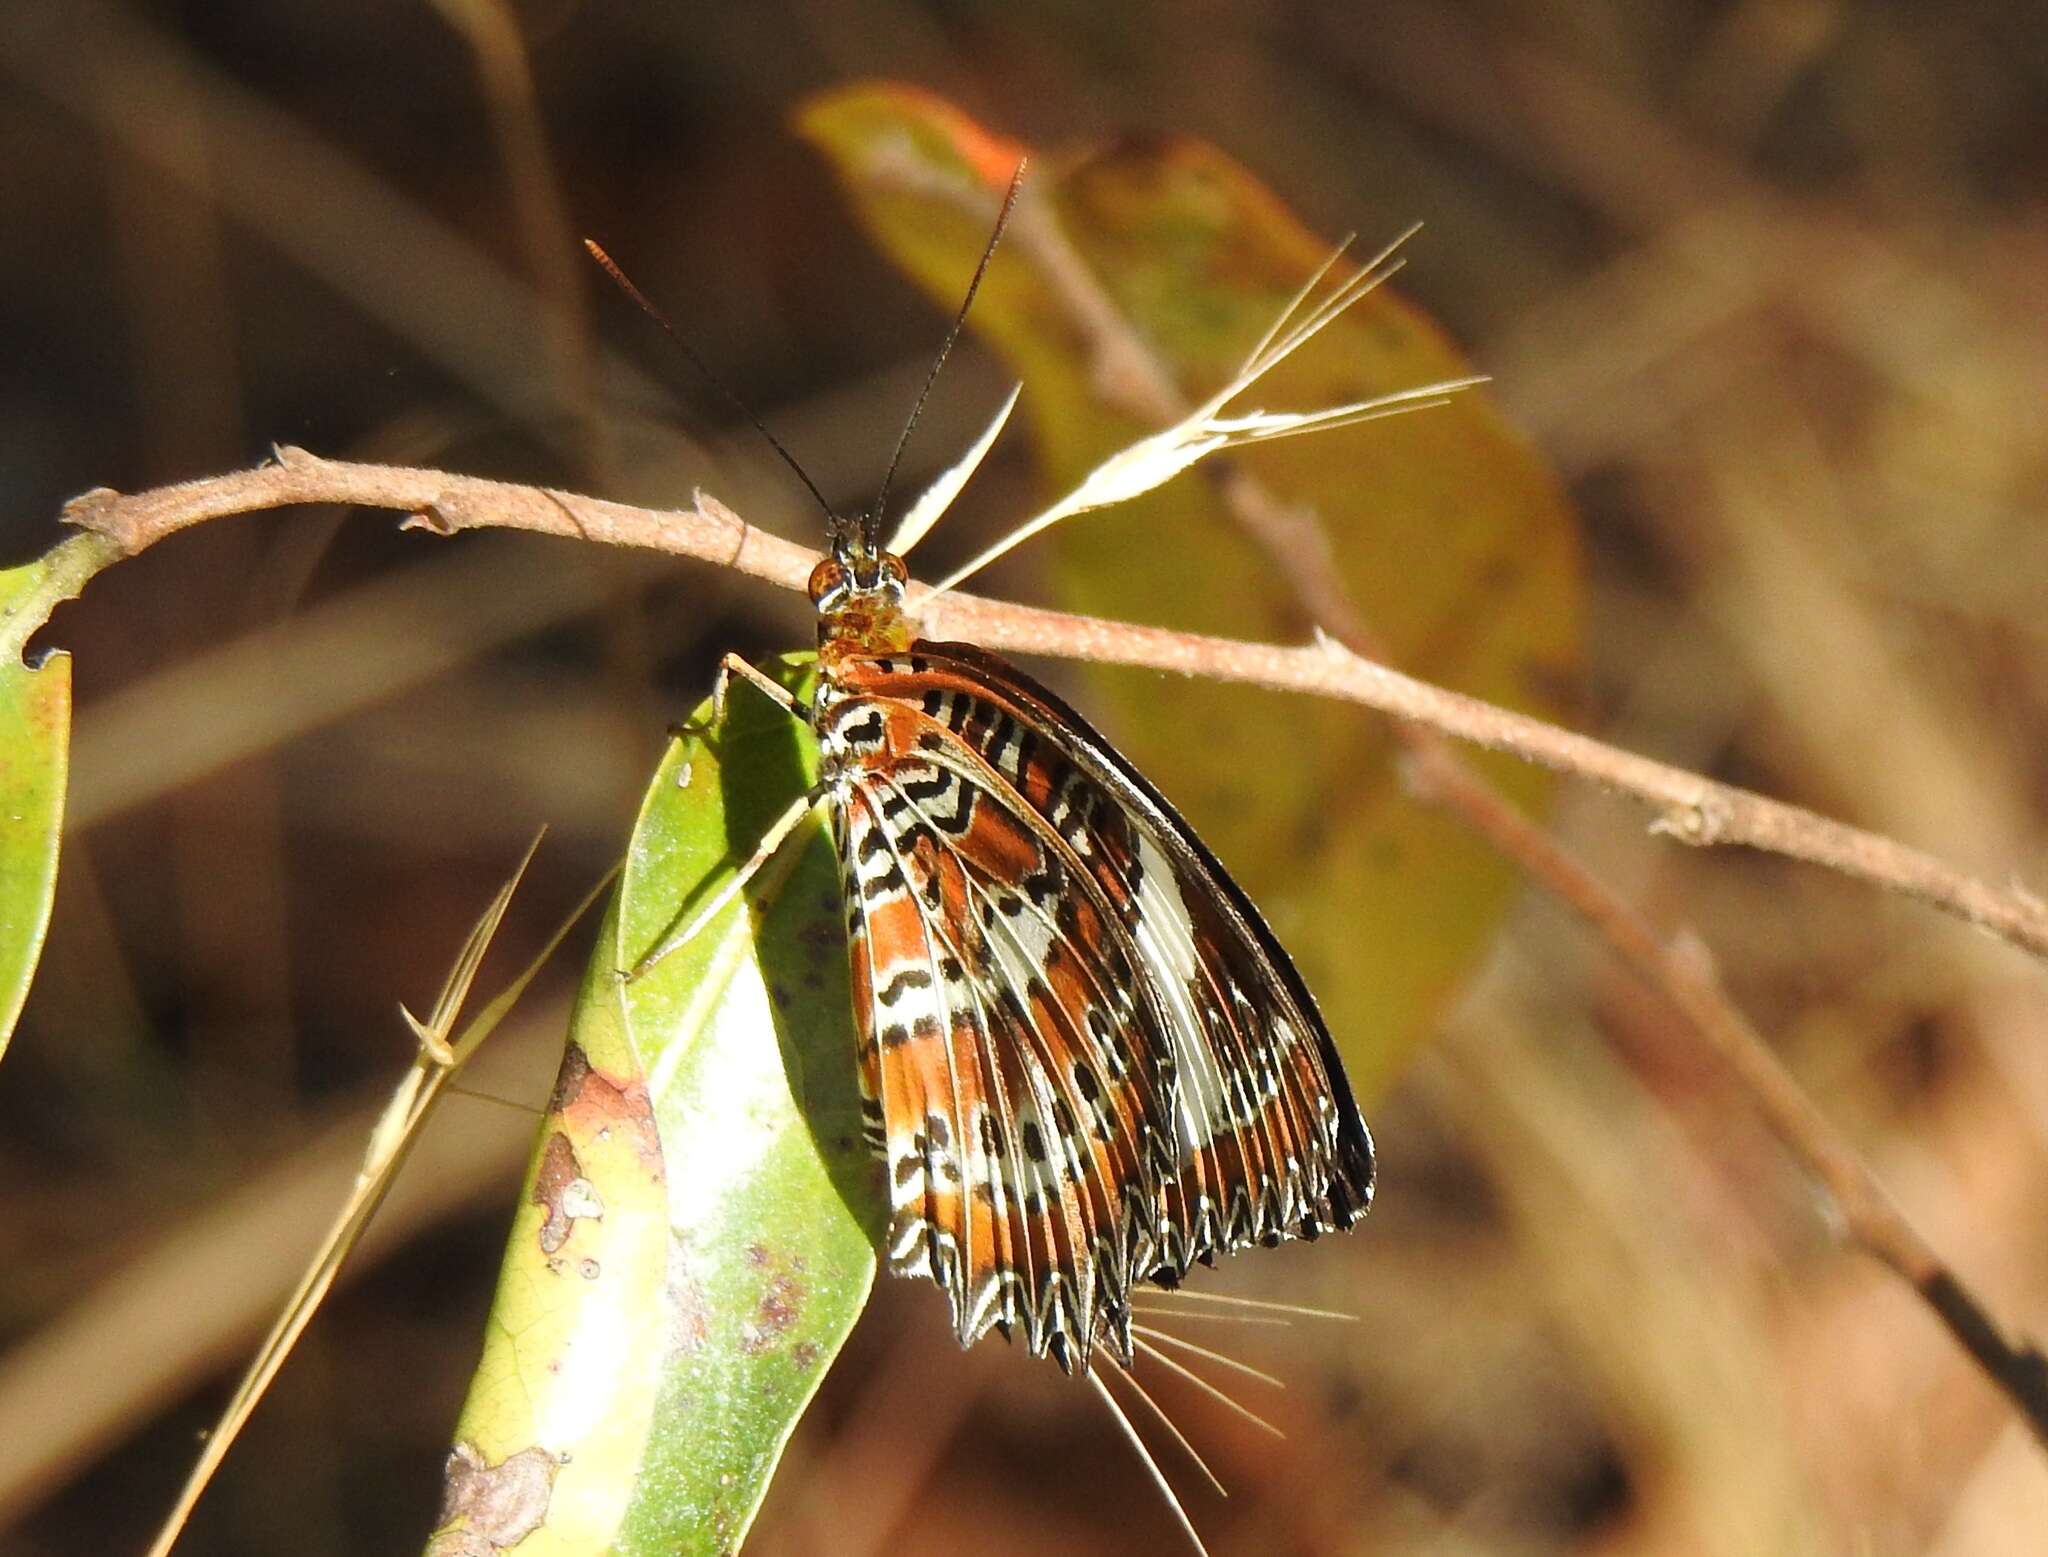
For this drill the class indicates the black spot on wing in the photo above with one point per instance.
(864, 731)
(902, 984)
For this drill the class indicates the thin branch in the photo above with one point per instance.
(1691, 808)
(1870, 1218)
(1694, 810)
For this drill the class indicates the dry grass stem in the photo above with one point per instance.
(442, 1054)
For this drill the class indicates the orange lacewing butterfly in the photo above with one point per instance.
(1085, 1061)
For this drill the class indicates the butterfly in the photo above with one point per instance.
(1085, 1061)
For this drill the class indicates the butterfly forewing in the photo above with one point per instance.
(1087, 1062)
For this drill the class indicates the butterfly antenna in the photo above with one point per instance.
(871, 523)
(646, 306)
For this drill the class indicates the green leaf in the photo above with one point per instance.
(699, 1228)
(1451, 535)
(35, 753)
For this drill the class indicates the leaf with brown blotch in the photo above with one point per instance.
(697, 1233)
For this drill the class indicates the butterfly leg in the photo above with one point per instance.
(732, 665)
(771, 841)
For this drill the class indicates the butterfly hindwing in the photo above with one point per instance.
(1090, 1063)
(1253, 1059)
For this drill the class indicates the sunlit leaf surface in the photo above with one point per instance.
(35, 749)
(697, 1236)
(1450, 534)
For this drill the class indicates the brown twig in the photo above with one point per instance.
(1690, 808)
(1870, 1219)
(1693, 809)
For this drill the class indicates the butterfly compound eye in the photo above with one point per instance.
(828, 577)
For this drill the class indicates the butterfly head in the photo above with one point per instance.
(858, 592)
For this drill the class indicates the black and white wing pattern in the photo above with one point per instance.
(1086, 1061)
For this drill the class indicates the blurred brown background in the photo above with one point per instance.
(1768, 280)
